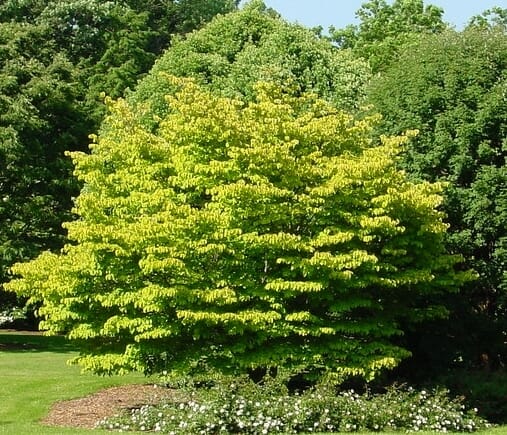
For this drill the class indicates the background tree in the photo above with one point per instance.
(38, 121)
(452, 88)
(172, 17)
(494, 17)
(115, 43)
(233, 52)
(243, 235)
(384, 28)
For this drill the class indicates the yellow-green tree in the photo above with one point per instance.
(243, 235)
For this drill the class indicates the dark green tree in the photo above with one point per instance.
(173, 17)
(452, 87)
(39, 120)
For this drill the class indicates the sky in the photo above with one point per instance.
(339, 13)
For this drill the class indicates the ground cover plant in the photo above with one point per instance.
(242, 407)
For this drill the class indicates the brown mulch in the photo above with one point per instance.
(88, 411)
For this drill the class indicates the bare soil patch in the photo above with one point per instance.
(86, 412)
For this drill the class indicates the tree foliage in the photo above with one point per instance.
(490, 18)
(235, 51)
(452, 88)
(38, 121)
(243, 235)
(384, 28)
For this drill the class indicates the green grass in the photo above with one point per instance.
(34, 375)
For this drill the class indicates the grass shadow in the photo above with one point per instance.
(27, 341)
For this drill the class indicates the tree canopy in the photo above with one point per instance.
(384, 28)
(38, 121)
(235, 51)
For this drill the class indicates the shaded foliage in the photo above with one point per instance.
(452, 87)
(38, 121)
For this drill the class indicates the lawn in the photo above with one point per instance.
(35, 375)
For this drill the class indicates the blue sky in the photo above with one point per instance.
(339, 13)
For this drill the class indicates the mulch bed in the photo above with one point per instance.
(86, 412)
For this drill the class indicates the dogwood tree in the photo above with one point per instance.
(240, 235)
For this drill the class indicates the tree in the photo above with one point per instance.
(494, 17)
(243, 235)
(115, 43)
(235, 51)
(178, 17)
(384, 28)
(452, 88)
(39, 120)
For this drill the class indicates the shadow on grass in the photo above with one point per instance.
(27, 341)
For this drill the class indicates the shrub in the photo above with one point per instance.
(242, 407)
(16, 317)
(6, 317)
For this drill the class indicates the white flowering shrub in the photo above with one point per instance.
(242, 407)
